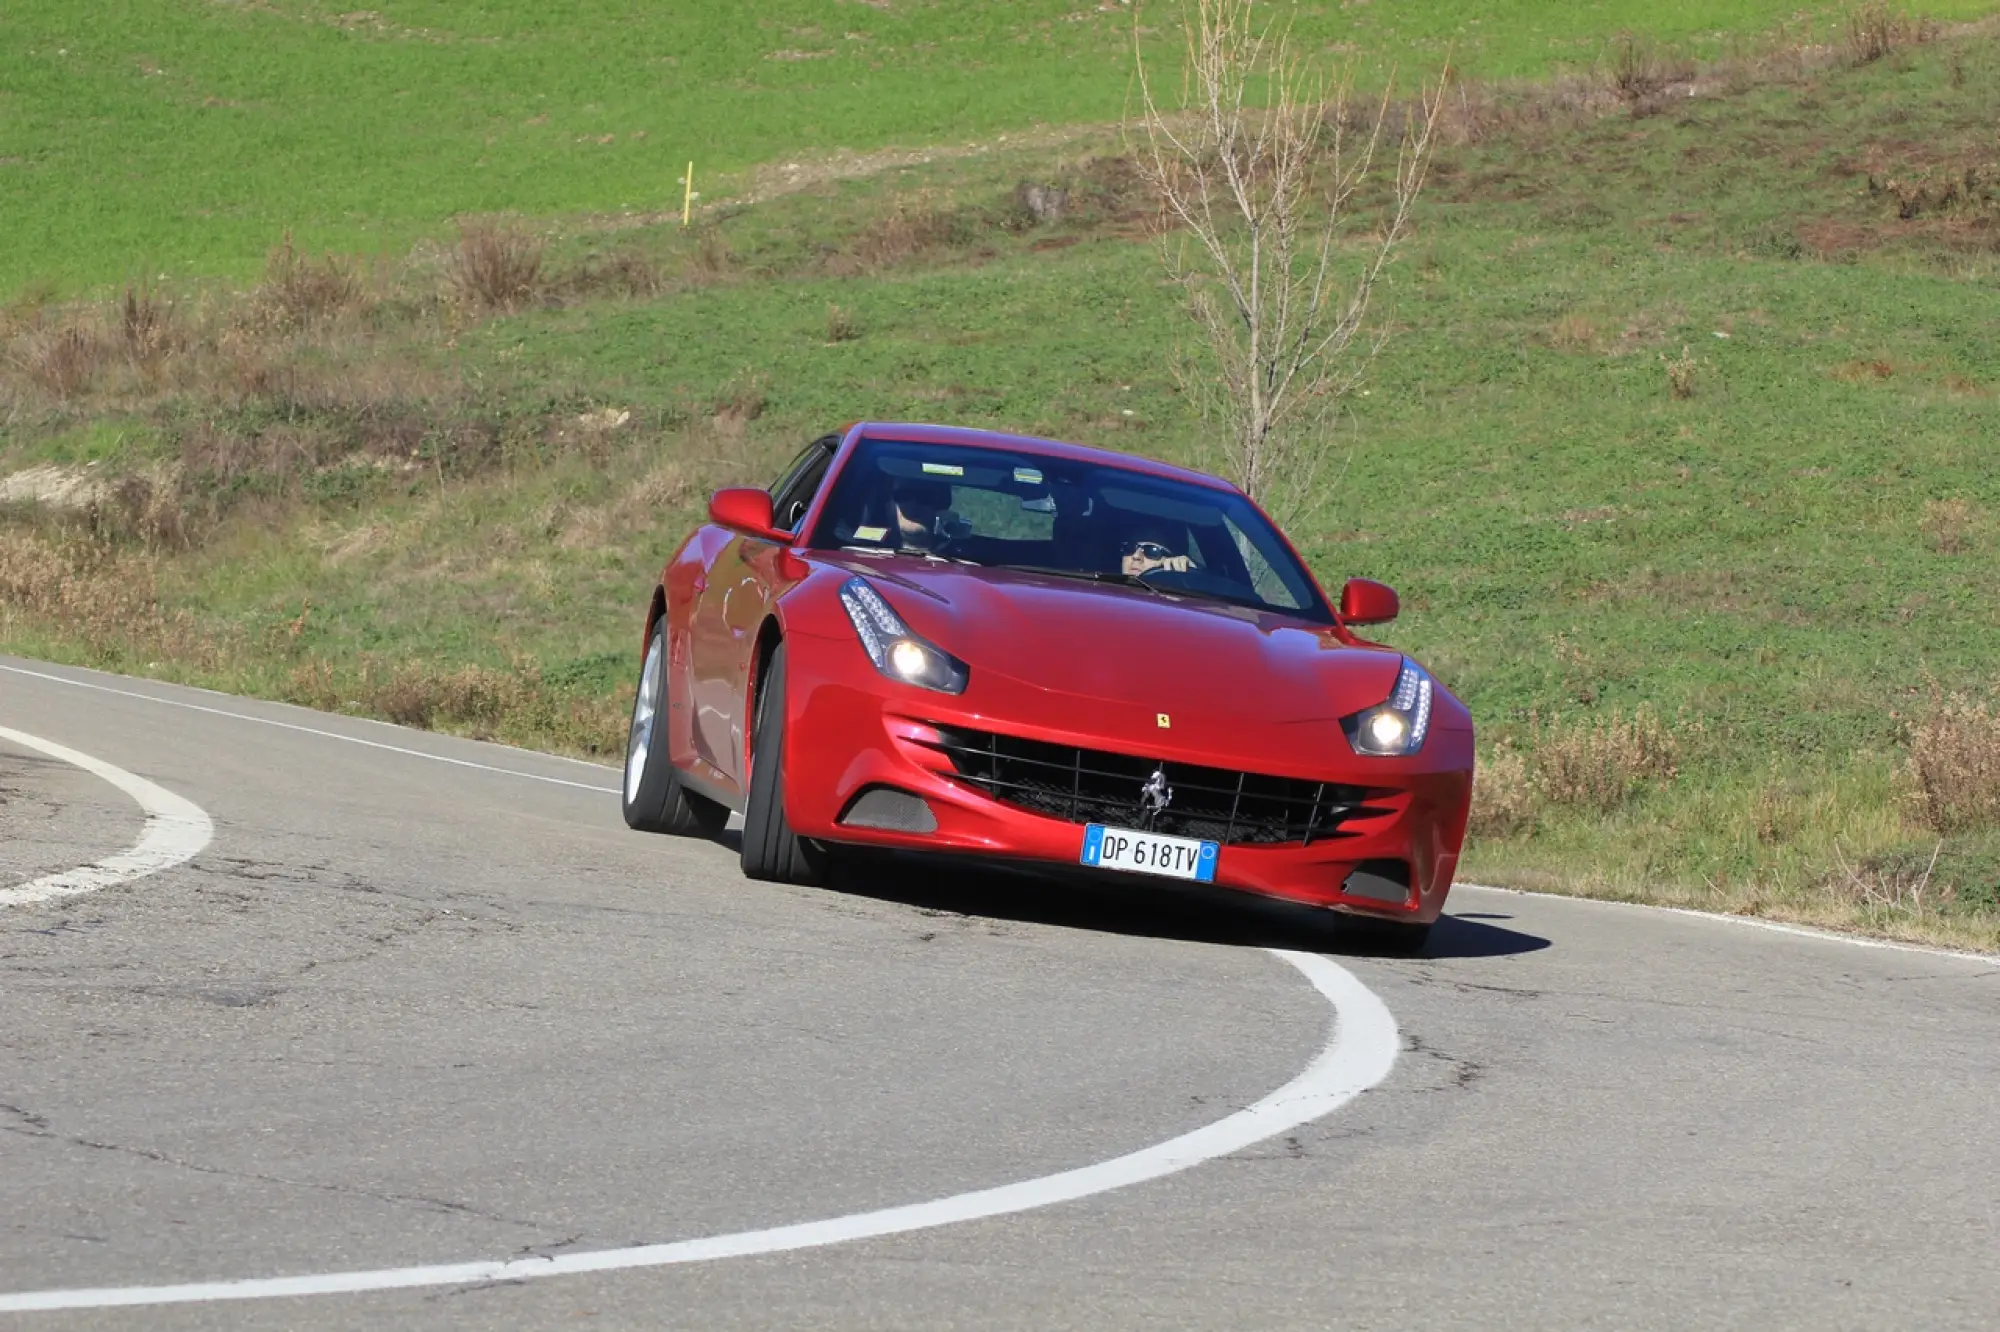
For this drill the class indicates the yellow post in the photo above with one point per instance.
(687, 198)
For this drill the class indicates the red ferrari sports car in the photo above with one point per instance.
(946, 640)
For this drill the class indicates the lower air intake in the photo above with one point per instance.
(1093, 786)
(891, 810)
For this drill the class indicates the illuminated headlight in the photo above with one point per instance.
(1397, 727)
(896, 652)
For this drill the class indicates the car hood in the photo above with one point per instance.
(1129, 645)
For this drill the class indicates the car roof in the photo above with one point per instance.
(912, 432)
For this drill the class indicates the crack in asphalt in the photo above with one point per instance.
(37, 1126)
(1464, 1071)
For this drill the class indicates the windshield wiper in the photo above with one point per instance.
(1118, 576)
(1124, 579)
(911, 550)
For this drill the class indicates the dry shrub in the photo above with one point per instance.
(1972, 191)
(621, 273)
(740, 402)
(1860, 372)
(99, 595)
(667, 486)
(299, 292)
(150, 511)
(1947, 525)
(840, 325)
(64, 358)
(1954, 766)
(1573, 332)
(1504, 800)
(149, 327)
(1640, 70)
(1597, 764)
(1874, 30)
(1893, 882)
(1681, 373)
(917, 227)
(495, 267)
(312, 685)
(712, 256)
(515, 703)
(424, 695)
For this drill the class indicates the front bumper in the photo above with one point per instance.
(849, 729)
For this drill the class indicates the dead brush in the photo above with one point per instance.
(146, 511)
(1573, 332)
(917, 228)
(712, 258)
(1682, 374)
(496, 267)
(429, 696)
(1947, 525)
(1598, 764)
(63, 575)
(1875, 29)
(840, 325)
(621, 273)
(1639, 70)
(740, 402)
(1504, 800)
(1954, 766)
(299, 292)
(62, 359)
(1892, 882)
(149, 328)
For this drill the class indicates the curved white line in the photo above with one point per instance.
(1358, 1054)
(176, 831)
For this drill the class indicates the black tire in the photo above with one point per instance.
(655, 798)
(771, 851)
(1388, 938)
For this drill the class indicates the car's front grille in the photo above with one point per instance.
(1091, 786)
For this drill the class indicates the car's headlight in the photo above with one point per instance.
(896, 652)
(1397, 727)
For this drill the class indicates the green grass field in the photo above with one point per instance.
(448, 515)
(185, 136)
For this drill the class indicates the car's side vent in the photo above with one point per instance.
(1091, 786)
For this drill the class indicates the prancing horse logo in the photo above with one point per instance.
(1155, 796)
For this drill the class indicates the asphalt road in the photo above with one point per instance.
(402, 1012)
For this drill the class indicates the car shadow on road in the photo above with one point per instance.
(1148, 908)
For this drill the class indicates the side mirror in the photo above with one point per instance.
(747, 510)
(1365, 601)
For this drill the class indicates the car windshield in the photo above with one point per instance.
(1064, 518)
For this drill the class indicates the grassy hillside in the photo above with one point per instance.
(184, 136)
(1682, 455)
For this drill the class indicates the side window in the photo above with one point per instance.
(793, 493)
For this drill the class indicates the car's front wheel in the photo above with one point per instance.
(656, 799)
(771, 850)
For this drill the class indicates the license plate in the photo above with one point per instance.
(1148, 853)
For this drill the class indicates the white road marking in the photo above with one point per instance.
(314, 730)
(1776, 927)
(1358, 1055)
(176, 831)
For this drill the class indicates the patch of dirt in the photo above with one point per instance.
(67, 489)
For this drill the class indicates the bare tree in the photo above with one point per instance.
(1261, 164)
